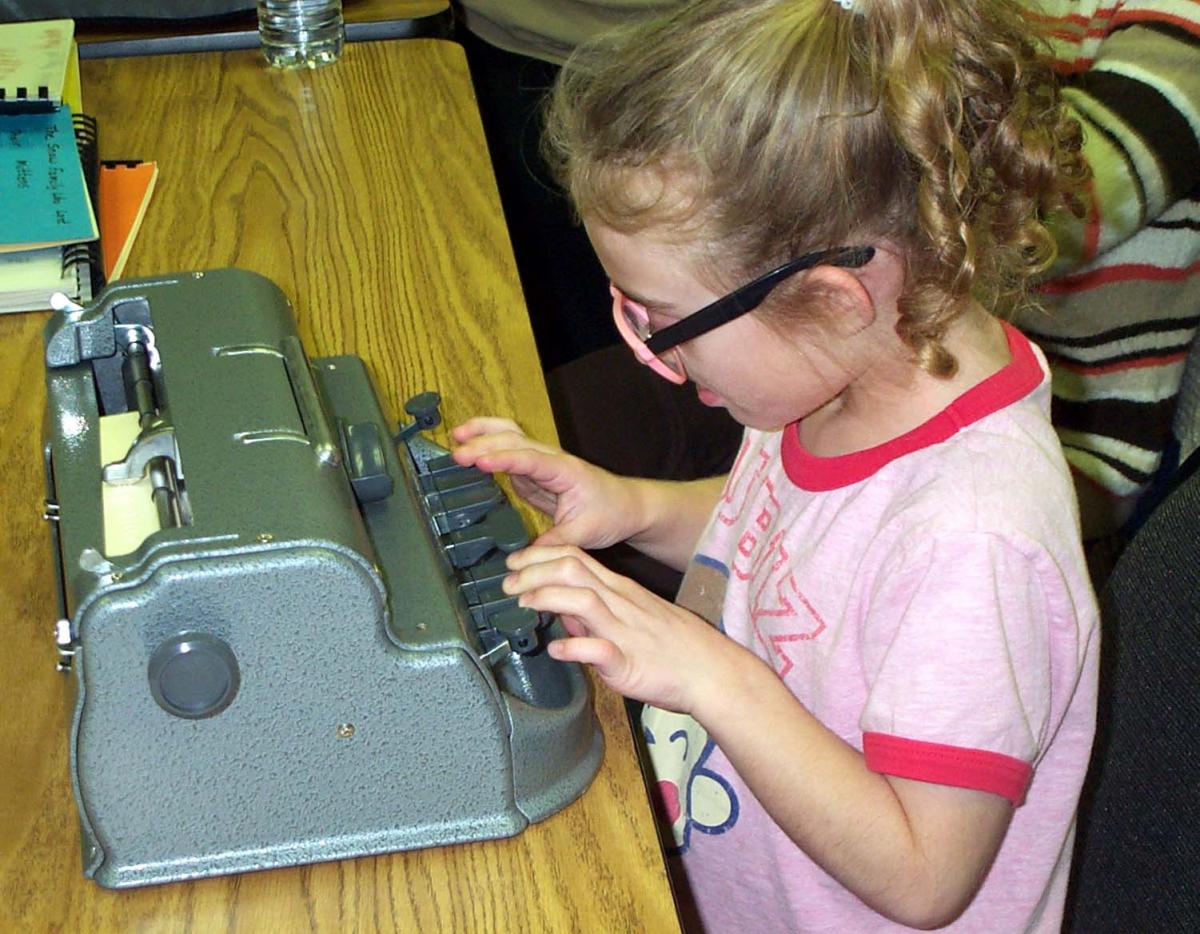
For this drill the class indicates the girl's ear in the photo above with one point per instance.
(851, 304)
(860, 298)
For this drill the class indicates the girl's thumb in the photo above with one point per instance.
(565, 533)
(552, 536)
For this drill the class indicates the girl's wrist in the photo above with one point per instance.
(669, 516)
(725, 681)
(641, 509)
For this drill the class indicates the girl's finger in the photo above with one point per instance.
(571, 569)
(586, 605)
(499, 440)
(542, 554)
(600, 653)
(516, 455)
(573, 625)
(482, 425)
(545, 468)
(555, 535)
(580, 569)
(573, 532)
(470, 451)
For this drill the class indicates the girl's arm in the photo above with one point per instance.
(913, 851)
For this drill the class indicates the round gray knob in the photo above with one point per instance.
(193, 675)
(423, 407)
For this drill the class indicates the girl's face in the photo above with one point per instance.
(765, 376)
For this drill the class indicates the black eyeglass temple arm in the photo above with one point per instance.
(751, 295)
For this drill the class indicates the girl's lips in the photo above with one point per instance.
(707, 396)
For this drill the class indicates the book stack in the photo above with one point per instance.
(53, 186)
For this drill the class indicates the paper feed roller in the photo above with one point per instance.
(269, 595)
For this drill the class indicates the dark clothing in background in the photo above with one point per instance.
(565, 287)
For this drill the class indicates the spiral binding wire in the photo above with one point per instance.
(87, 140)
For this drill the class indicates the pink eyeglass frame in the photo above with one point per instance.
(621, 301)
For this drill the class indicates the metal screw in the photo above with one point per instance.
(265, 537)
(345, 730)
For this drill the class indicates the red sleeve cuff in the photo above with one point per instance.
(948, 765)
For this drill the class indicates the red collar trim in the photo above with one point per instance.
(1016, 380)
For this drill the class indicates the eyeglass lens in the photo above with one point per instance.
(639, 324)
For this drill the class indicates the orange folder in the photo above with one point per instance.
(125, 189)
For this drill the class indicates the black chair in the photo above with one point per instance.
(1137, 855)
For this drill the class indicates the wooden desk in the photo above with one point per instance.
(364, 191)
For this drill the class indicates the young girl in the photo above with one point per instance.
(872, 704)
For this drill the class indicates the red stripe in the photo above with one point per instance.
(1103, 22)
(940, 764)
(1076, 66)
(1076, 18)
(1076, 36)
(1113, 16)
(1121, 272)
(1141, 16)
(1141, 363)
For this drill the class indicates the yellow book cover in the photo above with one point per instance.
(34, 61)
(72, 93)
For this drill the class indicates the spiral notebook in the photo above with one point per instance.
(29, 276)
(35, 64)
(125, 190)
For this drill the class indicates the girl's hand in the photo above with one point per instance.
(591, 507)
(640, 645)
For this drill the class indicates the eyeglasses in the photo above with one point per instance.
(660, 352)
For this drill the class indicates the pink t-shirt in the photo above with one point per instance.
(928, 601)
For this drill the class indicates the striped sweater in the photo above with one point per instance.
(1122, 305)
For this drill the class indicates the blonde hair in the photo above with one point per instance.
(780, 126)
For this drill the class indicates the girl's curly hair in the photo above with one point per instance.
(771, 127)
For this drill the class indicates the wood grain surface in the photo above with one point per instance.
(364, 191)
